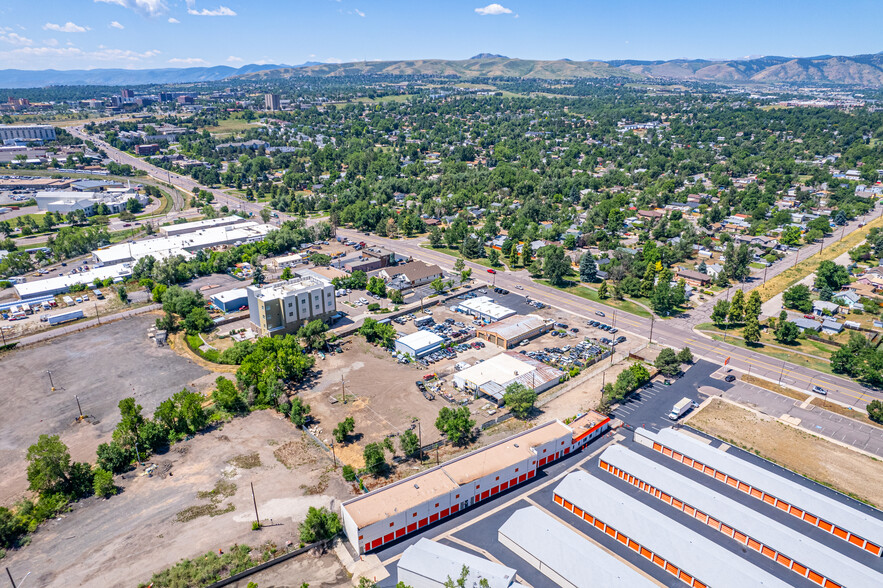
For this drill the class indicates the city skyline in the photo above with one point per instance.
(137, 34)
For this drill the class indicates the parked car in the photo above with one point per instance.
(730, 378)
(819, 390)
(492, 271)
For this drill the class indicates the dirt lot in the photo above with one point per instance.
(101, 366)
(322, 571)
(845, 470)
(124, 540)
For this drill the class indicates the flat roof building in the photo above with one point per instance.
(401, 508)
(484, 307)
(512, 330)
(562, 555)
(418, 344)
(28, 132)
(62, 284)
(284, 307)
(209, 223)
(428, 564)
(491, 377)
(184, 244)
(65, 201)
(231, 300)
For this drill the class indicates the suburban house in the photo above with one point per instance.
(848, 299)
(693, 278)
(805, 323)
(820, 306)
(411, 275)
(714, 269)
(831, 327)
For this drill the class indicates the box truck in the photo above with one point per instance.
(680, 408)
(65, 317)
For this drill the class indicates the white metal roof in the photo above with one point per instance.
(824, 560)
(568, 554)
(229, 295)
(204, 224)
(799, 495)
(501, 369)
(58, 283)
(486, 306)
(700, 557)
(420, 340)
(439, 562)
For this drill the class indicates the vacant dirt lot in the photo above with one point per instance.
(201, 501)
(101, 366)
(841, 468)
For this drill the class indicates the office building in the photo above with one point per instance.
(27, 132)
(150, 149)
(166, 97)
(65, 201)
(127, 94)
(284, 307)
(271, 102)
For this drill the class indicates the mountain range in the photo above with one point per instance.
(862, 70)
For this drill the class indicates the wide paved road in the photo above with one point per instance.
(675, 332)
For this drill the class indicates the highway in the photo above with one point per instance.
(676, 332)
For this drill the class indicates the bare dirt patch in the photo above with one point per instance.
(840, 468)
(246, 461)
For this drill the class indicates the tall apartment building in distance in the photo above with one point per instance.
(127, 94)
(284, 307)
(27, 132)
(271, 102)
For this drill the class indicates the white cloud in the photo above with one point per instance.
(219, 11)
(14, 39)
(234, 59)
(174, 20)
(148, 7)
(359, 12)
(51, 42)
(493, 10)
(67, 27)
(188, 61)
(114, 24)
(115, 55)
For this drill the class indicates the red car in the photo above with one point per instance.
(492, 271)
(808, 316)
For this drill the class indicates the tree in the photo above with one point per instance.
(588, 269)
(114, 458)
(375, 461)
(519, 399)
(343, 429)
(494, 257)
(49, 464)
(374, 332)
(12, 528)
(797, 297)
(685, 355)
(314, 334)
(455, 424)
(787, 332)
(751, 331)
(320, 259)
(472, 247)
(409, 443)
(465, 274)
(535, 268)
(319, 525)
(131, 420)
(603, 294)
(438, 285)
(265, 215)
(831, 275)
(790, 236)
(299, 411)
(182, 414)
(719, 312)
(556, 265)
(737, 307)
(459, 264)
(702, 269)
(875, 411)
(226, 396)
(287, 274)
(123, 295)
(377, 286)
(513, 257)
(102, 483)
(198, 320)
(435, 237)
(273, 362)
(257, 276)
(667, 362)
(753, 306)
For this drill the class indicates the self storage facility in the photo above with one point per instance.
(409, 505)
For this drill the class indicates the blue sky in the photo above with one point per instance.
(75, 34)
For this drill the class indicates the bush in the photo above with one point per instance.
(520, 399)
(373, 306)
(319, 525)
(349, 473)
(375, 461)
(11, 528)
(875, 411)
(102, 483)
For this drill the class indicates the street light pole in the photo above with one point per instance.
(781, 373)
(51, 383)
(652, 319)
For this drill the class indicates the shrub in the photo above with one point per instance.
(320, 524)
(349, 473)
(102, 483)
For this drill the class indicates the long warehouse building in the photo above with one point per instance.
(843, 521)
(680, 551)
(782, 544)
(562, 555)
(404, 507)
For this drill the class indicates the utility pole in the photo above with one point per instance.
(343, 388)
(333, 457)
(420, 441)
(781, 373)
(78, 406)
(652, 319)
(137, 454)
(255, 500)
(97, 314)
(51, 383)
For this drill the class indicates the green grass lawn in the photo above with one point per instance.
(454, 253)
(756, 265)
(592, 294)
(229, 125)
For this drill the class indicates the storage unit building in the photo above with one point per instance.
(564, 556)
(680, 551)
(428, 564)
(406, 506)
(418, 344)
(850, 524)
(782, 544)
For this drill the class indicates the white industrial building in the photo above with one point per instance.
(62, 284)
(418, 344)
(27, 132)
(484, 307)
(407, 506)
(491, 377)
(186, 244)
(564, 556)
(428, 564)
(209, 223)
(65, 201)
(284, 307)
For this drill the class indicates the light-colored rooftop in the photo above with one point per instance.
(514, 326)
(229, 295)
(204, 224)
(396, 498)
(40, 287)
(420, 339)
(500, 368)
(485, 305)
(288, 287)
(438, 562)
(568, 554)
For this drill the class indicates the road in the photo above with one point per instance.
(675, 332)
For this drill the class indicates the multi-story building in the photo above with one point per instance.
(27, 132)
(65, 201)
(151, 149)
(284, 307)
(127, 93)
(271, 102)
(166, 97)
